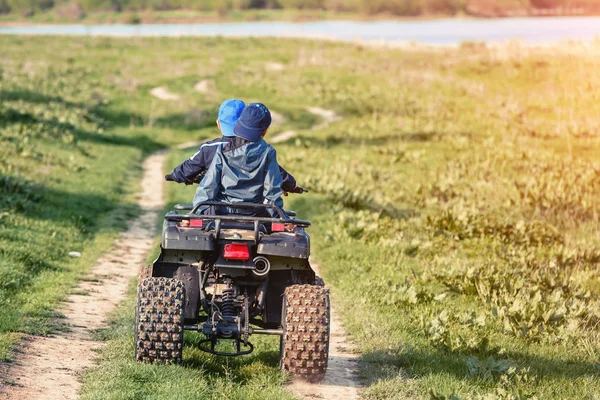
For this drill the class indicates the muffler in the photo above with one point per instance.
(262, 266)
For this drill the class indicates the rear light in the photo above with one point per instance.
(277, 227)
(195, 223)
(236, 251)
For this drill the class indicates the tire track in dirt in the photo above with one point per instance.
(205, 86)
(328, 117)
(163, 93)
(341, 380)
(282, 137)
(48, 368)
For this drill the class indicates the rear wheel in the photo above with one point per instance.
(304, 345)
(159, 320)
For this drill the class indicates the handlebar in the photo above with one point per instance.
(198, 178)
(299, 190)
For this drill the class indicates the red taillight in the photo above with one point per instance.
(195, 223)
(236, 251)
(277, 227)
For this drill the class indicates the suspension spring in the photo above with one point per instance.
(227, 306)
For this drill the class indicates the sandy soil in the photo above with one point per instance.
(163, 93)
(282, 137)
(274, 66)
(328, 117)
(48, 367)
(341, 380)
(277, 118)
(205, 86)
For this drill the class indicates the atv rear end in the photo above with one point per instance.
(231, 277)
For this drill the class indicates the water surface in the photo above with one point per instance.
(440, 32)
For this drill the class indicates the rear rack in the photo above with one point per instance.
(283, 218)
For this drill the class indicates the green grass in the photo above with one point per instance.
(455, 207)
(457, 224)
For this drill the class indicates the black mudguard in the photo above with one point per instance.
(190, 278)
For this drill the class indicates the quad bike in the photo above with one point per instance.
(230, 277)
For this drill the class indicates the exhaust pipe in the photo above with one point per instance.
(262, 266)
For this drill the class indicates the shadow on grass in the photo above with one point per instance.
(184, 121)
(24, 239)
(332, 141)
(236, 369)
(309, 206)
(35, 97)
(23, 196)
(100, 114)
(57, 129)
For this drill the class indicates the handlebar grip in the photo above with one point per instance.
(299, 190)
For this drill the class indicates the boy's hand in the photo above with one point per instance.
(169, 178)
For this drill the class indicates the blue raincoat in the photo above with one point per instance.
(242, 171)
(202, 159)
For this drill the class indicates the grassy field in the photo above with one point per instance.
(66, 175)
(72, 140)
(455, 206)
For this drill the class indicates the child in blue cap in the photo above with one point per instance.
(229, 112)
(245, 169)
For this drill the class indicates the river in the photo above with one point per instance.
(437, 32)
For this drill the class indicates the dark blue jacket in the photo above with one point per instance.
(242, 171)
(201, 160)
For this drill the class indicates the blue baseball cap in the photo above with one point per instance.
(255, 118)
(229, 112)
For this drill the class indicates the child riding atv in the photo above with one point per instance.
(245, 169)
(230, 275)
(192, 169)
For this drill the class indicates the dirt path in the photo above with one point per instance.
(341, 380)
(163, 93)
(328, 117)
(277, 118)
(274, 66)
(205, 86)
(282, 137)
(48, 368)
